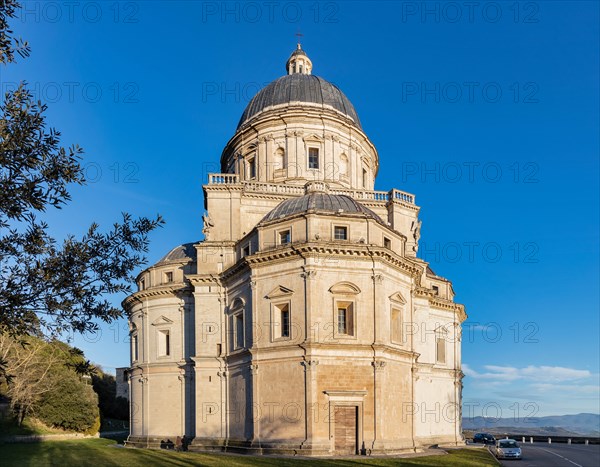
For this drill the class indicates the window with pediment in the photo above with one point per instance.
(345, 296)
(397, 307)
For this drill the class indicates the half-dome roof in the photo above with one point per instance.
(181, 252)
(323, 202)
(298, 87)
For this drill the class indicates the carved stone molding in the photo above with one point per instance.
(309, 274)
(378, 278)
(310, 364)
(379, 365)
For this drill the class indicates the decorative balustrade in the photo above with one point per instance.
(402, 196)
(223, 179)
(275, 188)
(297, 190)
(366, 195)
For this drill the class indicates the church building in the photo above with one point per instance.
(303, 323)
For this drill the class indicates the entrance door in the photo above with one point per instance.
(346, 429)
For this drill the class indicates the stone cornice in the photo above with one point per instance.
(430, 369)
(163, 291)
(440, 303)
(329, 249)
(292, 350)
(204, 279)
(165, 265)
(223, 187)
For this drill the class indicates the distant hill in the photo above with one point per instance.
(584, 424)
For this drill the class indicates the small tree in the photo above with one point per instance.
(29, 363)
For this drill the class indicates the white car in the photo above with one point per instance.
(507, 449)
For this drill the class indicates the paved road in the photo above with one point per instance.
(557, 455)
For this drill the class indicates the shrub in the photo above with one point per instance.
(71, 405)
(94, 428)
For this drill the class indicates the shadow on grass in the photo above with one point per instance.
(118, 436)
(101, 452)
(9, 427)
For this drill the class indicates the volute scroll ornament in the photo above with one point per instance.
(208, 224)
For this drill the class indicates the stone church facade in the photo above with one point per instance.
(303, 323)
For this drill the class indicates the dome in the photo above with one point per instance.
(301, 88)
(299, 85)
(320, 202)
(181, 252)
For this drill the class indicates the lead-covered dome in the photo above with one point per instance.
(187, 251)
(320, 202)
(300, 86)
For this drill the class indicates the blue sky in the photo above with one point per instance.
(489, 114)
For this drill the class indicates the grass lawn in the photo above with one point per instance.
(104, 452)
(30, 426)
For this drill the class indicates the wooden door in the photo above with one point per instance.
(346, 429)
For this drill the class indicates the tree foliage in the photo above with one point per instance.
(71, 405)
(44, 382)
(9, 44)
(110, 405)
(48, 286)
(28, 364)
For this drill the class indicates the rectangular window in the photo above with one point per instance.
(364, 178)
(436, 290)
(142, 284)
(396, 326)
(280, 321)
(246, 250)
(345, 319)
(285, 237)
(313, 158)
(342, 322)
(285, 321)
(239, 331)
(387, 243)
(252, 168)
(164, 344)
(340, 233)
(440, 351)
(168, 277)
